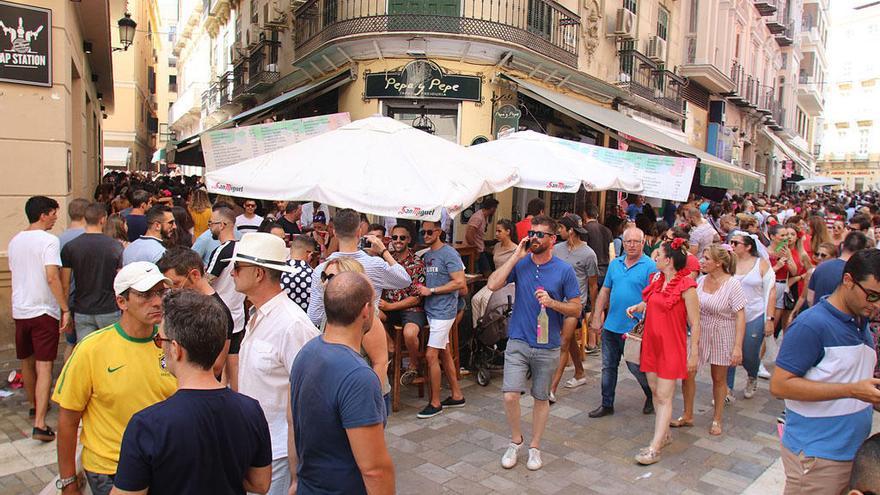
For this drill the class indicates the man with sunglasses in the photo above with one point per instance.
(543, 281)
(112, 374)
(276, 331)
(444, 278)
(404, 306)
(219, 274)
(150, 246)
(824, 371)
(248, 221)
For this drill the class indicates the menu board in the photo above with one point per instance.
(665, 177)
(230, 146)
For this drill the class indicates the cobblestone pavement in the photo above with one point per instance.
(460, 450)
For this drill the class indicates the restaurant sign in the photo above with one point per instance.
(423, 79)
(26, 44)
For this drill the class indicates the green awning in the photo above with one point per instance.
(723, 178)
(158, 155)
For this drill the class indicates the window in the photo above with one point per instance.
(255, 15)
(662, 23)
(540, 18)
(693, 22)
(273, 50)
(864, 135)
(631, 5)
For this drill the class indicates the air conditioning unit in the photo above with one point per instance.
(657, 49)
(625, 24)
(271, 67)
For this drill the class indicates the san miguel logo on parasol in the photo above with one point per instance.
(415, 211)
(556, 185)
(25, 44)
(229, 188)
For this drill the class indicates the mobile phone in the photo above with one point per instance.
(363, 244)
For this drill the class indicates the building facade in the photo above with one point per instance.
(851, 143)
(130, 133)
(53, 112)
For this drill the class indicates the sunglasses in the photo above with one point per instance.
(823, 256)
(870, 295)
(160, 293)
(158, 339)
(326, 277)
(538, 234)
(237, 267)
(428, 231)
(399, 237)
(735, 243)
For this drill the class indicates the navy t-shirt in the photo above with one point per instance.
(558, 279)
(137, 226)
(826, 277)
(196, 441)
(331, 389)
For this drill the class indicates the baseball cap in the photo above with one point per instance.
(572, 222)
(140, 276)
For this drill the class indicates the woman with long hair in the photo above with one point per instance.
(117, 228)
(183, 225)
(838, 233)
(670, 305)
(818, 235)
(505, 235)
(758, 283)
(200, 210)
(723, 324)
(783, 265)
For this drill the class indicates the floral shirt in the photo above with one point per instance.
(415, 268)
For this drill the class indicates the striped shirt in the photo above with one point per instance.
(381, 274)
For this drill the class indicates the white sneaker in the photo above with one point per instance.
(535, 462)
(751, 387)
(552, 398)
(730, 399)
(763, 373)
(575, 382)
(508, 460)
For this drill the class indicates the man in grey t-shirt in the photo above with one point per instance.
(582, 258)
(702, 232)
(444, 277)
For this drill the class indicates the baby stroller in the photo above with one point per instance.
(490, 336)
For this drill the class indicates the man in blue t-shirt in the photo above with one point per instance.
(444, 277)
(543, 282)
(627, 277)
(336, 400)
(824, 371)
(827, 276)
(205, 438)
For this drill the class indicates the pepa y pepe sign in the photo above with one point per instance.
(25, 44)
(423, 79)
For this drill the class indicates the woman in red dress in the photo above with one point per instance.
(671, 304)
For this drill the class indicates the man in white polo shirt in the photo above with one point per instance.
(276, 331)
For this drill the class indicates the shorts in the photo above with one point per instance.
(438, 332)
(519, 359)
(402, 318)
(235, 342)
(781, 287)
(86, 324)
(37, 337)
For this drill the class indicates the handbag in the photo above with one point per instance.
(789, 299)
(632, 346)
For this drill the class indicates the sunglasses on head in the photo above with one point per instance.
(539, 234)
(326, 277)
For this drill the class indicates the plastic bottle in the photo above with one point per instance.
(543, 325)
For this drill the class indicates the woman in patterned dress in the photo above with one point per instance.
(670, 304)
(723, 321)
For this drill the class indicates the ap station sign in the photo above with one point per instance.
(25, 44)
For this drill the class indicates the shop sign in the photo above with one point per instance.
(423, 79)
(726, 179)
(26, 44)
(505, 119)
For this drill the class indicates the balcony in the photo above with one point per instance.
(239, 80)
(810, 95)
(765, 7)
(226, 86)
(210, 99)
(785, 37)
(542, 26)
(776, 119)
(188, 106)
(746, 90)
(263, 66)
(707, 75)
(766, 104)
(643, 77)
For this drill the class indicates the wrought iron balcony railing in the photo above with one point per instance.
(540, 25)
(644, 77)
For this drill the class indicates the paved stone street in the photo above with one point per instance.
(460, 450)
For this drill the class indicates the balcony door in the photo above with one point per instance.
(424, 15)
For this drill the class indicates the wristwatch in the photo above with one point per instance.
(63, 483)
(433, 291)
(771, 318)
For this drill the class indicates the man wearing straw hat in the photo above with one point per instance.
(275, 332)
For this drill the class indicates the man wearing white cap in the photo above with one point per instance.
(112, 374)
(275, 332)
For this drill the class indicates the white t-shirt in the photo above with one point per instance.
(245, 224)
(220, 268)
(30, 251)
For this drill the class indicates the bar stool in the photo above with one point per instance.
(397, 365)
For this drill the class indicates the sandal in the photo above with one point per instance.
(647, 456)
(681, 423)
(715, 429)
(667, 441)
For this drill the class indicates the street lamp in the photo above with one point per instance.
(126, 32)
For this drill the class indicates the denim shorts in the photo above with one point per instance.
(519, 359)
